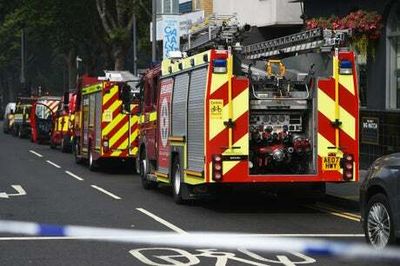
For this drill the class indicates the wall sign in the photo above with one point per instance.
(370, 130)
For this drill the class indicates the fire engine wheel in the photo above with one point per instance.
(78, 159)
(144, 171)
(65, 144)
(93, 164)
(20, 134)
(52, 144)
(177, 183)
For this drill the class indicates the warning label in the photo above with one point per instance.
(330, 163)
(107, 116)
(216, 108)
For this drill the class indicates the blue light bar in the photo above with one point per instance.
(220, 66)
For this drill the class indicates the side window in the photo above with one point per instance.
(147, 96)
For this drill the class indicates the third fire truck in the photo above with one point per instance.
(106, 122)
(281, 114)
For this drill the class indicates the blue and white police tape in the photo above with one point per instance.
(315, 247)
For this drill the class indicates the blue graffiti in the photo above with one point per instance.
(171, 39)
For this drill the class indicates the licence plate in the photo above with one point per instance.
(330, 163)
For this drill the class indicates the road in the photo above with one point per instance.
(46, 186)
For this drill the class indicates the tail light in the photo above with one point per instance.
(217, 167)
(106, 144)
(348, 166)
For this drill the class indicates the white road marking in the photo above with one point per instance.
(37, 154)
(53, 164)
(74, 176)
(162, 221)
(18, 188)
(106, 192)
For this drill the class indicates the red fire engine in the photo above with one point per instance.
(105, 123)
(280, 114)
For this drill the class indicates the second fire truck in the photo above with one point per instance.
(281, 114)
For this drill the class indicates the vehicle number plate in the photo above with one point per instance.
(330, 163)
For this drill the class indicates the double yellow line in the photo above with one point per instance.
(333, 211)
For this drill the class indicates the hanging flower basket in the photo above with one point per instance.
(366, 29)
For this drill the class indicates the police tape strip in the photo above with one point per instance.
(210, 240)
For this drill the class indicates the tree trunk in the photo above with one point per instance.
(119, 58)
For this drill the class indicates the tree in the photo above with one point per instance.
(116, 17)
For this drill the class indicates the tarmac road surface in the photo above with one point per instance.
(38, 184)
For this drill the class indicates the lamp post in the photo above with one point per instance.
(154, 31)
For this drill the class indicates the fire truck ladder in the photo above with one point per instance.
(302, 42)
(216, 30)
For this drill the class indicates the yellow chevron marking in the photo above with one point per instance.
(134, 135)
(121, 132)
(327, 107)
(134, 151)
(240, 106)
(124, 145)
(134, 120)
(347, 81)
(217, 81)
(108, 96)
(116, 153)
(228, 165)
(111, 125)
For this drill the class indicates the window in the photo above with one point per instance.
(393, 59)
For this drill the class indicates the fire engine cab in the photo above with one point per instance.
(281, 114)
(106, 122)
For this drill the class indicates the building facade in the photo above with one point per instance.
(379, 76)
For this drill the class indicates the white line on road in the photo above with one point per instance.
(74, 176)
(53, 164)
(37, 154)
(162, 221)
(106, 192)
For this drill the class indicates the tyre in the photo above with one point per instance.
(93, 164)
(144, 170)
(20, 133)
(177, 181)
(52, 144)
(378, 222)
(78, 159)
(65, 146)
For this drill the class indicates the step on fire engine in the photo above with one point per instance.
(106, 122)
(41, 116)
(281, 114)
